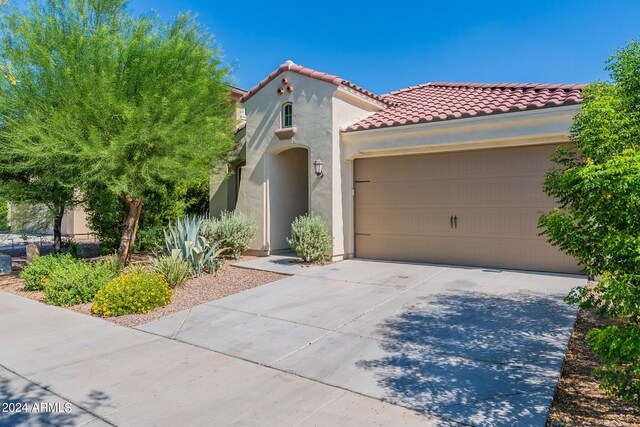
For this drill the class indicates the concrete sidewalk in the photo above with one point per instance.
(111, 375)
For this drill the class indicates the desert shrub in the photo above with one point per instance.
(116, 262)
(174, 270)
(136, 267)
(233, 231)
(40, 268)
(185, 240)
(132, 293)
(310, 238)
(72, 247)
(76, 282)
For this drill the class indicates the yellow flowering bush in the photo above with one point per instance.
(132, 293)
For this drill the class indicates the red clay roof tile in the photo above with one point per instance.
(447, 100)
(432, 102)
(290, 66)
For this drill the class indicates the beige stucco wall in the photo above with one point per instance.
(74, 224)
(318, 114)
(320, 111)
(348, 108)
(312, 117)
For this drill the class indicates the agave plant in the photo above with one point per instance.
(185, 240)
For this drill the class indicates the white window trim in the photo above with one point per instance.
(283, 118)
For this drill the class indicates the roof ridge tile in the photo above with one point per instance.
(308, 72)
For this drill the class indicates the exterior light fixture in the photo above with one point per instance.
(317, 166)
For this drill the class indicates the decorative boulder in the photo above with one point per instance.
(33, 251)
(5, 264)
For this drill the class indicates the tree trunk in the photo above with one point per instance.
(57, 230)
(130, 228)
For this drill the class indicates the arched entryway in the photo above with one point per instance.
(288, 173)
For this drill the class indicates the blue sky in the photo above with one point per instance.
(389, 45)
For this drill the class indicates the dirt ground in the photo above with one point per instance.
(578, 400)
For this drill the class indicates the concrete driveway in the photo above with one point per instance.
(461, 345)
(356, 343)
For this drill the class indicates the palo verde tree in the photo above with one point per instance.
(43, 72)
(95, 95)
(598, 220)
(160, 111)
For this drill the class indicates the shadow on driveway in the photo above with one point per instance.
(476, 358)
(25, 403)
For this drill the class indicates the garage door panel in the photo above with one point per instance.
(497, 253)
(508, 191)
(470, 164)
(404, 206)
(409, 221)
(481, 222)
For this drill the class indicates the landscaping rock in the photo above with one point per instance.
(33, 251)
(5, 264)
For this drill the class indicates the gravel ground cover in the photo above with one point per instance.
(229, 280)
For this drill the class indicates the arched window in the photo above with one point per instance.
(287, 115)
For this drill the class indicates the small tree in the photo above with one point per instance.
(93, 96)
(40, 59)
(598, 221)
(161, 114)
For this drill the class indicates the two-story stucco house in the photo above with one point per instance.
(440, 172)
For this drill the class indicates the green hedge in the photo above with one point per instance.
(76, 282)
(40, 268)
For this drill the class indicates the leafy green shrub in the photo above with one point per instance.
(232, 231)
(148, 239)
(76, 282)
(106, 212)
(597, 187)
(72, 247)
(132, 293)
(174, 270)
(185, 240)
(40, 268)
(310, 238)
(4, 214)
(136, 267)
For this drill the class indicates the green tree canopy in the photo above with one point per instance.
(598, 222)
(161, 114)
(42, 60)
(131, 103)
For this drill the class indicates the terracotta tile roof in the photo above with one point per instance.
(443, 101)
(290, 66)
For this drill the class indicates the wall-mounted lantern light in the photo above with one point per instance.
(317, 166)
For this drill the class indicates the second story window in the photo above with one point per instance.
(287, 115)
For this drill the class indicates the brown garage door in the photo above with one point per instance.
(475, 208)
